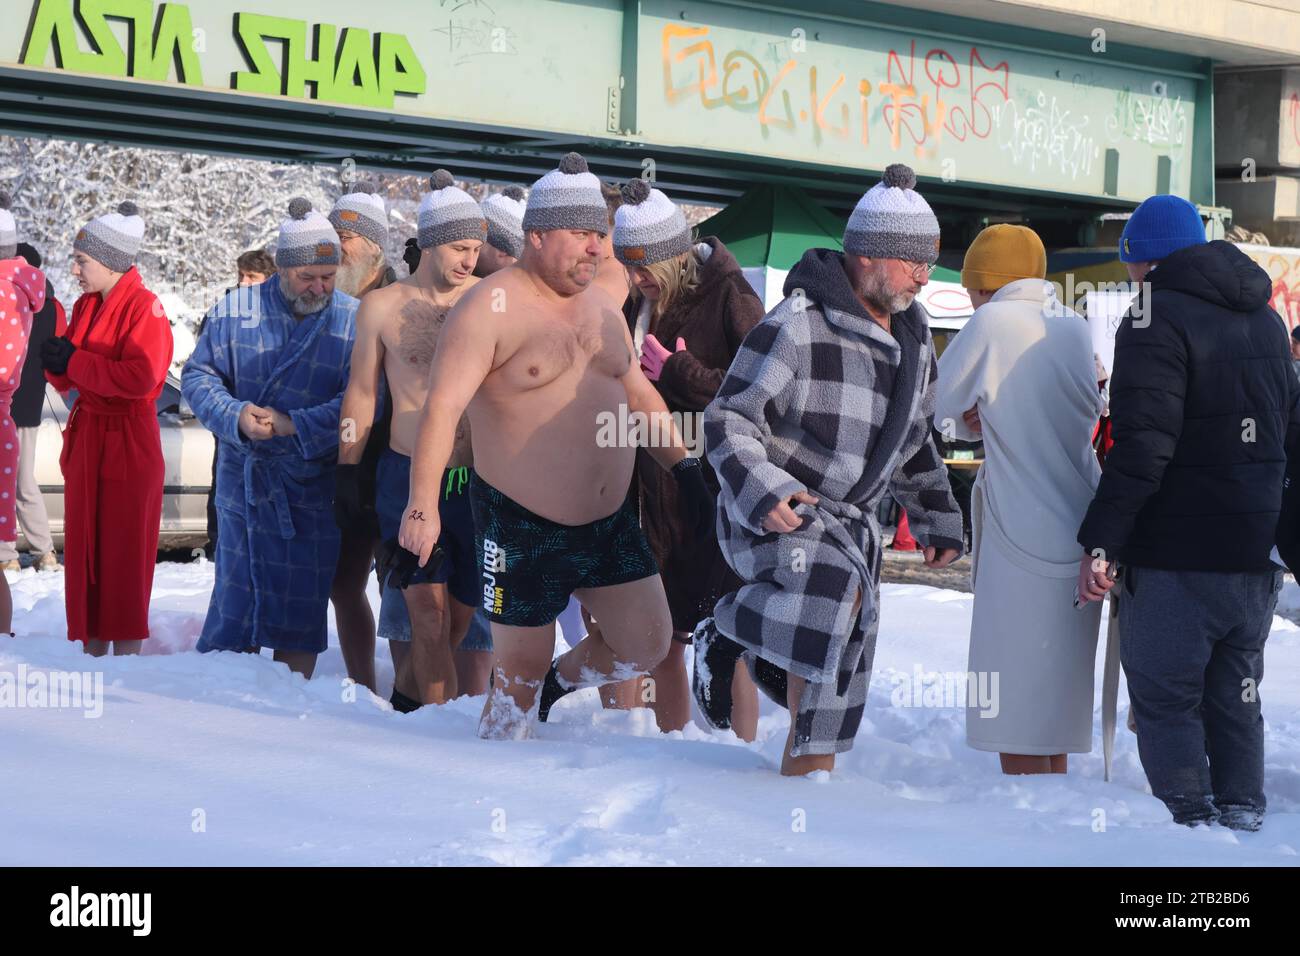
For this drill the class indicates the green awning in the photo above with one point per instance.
(774, 225)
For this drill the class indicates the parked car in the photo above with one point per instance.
(187, 458)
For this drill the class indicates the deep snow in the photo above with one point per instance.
(228, 759)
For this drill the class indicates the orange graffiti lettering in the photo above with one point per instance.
(763, 118)
(673, 31)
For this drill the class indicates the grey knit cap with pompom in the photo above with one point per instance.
(306, 238)
(504, 213)
(567, 197)
(893, 221)
(8, 229)
(114, 238)
(649, 227)
(361, 209)
(448, 213)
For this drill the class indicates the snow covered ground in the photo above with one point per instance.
(229, 759)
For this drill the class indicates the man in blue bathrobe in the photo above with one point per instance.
(267, 379)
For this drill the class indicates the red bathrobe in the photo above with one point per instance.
(112, 460)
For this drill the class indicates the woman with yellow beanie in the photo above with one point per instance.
(1022, 372)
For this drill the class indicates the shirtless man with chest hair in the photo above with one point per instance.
(536, 353)
(398, 332)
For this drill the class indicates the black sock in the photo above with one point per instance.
(552, 690)
(772, 681)
(403, 704)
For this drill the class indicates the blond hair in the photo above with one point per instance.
(675, 278)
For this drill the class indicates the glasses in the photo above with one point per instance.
(918, 270)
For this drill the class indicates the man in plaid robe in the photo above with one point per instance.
(827, 408)
(267, 379)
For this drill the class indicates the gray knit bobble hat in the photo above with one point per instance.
(361, 210)
(649, 227)
(504, 212)
(306, 238)
(567, 197)
(448, 213)
(892, 221)
(113, 239)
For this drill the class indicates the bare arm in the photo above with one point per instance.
(357, 416)
(466, 351)
(642, 396)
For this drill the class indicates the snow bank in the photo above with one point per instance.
(228, 759)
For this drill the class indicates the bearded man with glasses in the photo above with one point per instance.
(827, 407)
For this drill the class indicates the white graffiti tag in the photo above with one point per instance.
(1045, 135)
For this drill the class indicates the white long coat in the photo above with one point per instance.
(1027, 363)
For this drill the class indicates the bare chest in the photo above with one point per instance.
(411, 336)
(549, 347)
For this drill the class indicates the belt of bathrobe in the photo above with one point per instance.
(115, 408)
(847, 515)
(271, 470)
(88, 464)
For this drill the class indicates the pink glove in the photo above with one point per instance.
(654, 355)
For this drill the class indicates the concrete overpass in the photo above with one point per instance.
(1053, 111)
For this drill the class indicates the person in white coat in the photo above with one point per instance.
(1020, 375)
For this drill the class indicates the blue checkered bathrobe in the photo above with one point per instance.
(821, 398)
(277, 543)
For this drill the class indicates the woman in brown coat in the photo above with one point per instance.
(689, 309)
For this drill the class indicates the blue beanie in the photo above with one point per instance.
(1161, 225)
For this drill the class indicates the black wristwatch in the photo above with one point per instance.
(685, 465)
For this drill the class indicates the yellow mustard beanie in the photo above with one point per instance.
(1003, 253)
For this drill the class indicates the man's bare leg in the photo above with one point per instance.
(522, 658)
(122, 648)
(432, 668)
(473, 669)
(666, 690)
(792, 766)
(95, 648)
(621, 694)
(635, 630)
(458, 621)
(352, 613)
(300, 662)
(744, 704)
(400, 652)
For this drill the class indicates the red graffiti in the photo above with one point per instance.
(1285, 301)
(970, 117)
(1295, 117)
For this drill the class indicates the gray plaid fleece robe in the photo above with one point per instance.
(821, 398)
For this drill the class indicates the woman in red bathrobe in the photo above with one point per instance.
(116, 355)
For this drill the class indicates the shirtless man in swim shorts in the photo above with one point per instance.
(536, 353)
(398, 330)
